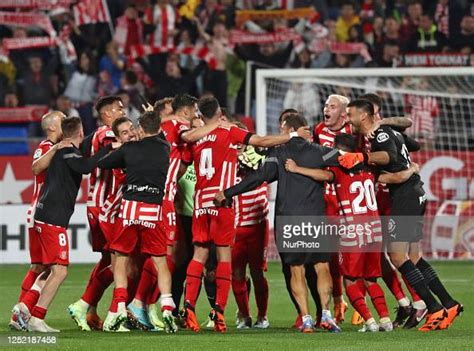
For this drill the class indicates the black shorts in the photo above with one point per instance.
(300, 258)
(406, 217)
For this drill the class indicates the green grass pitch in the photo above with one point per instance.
(458, 277)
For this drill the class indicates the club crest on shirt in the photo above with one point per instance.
(37, 154)
(382, 137)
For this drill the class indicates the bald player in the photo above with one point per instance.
(34, 279)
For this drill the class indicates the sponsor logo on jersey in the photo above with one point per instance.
(110, 134)
(146, 224)
(382, 137)
(203, 211)
(37, 154)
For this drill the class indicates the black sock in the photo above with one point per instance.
(211, 289)
(248, 282)
(435, 285)
(312, 281)
(287, 274)
(417, 281)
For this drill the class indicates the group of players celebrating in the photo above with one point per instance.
(183, 197)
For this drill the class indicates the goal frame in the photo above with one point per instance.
(263, 74)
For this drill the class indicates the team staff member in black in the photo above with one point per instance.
(297, 196)
(146, 163)
(54, 210)
(390, 152)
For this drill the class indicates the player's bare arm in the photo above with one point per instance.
(399, 177)
(193, 135)
(42, 163)
(274, 140)
(318, 175)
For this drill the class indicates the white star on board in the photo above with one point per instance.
(11, 188)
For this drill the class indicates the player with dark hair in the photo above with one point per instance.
(36, 275)
(410, 314)
(109, 108)
(215, 161)
(164, 108)
(53, 212)
(360, 253)
(300, 196)
(390, 153)
(147, 163)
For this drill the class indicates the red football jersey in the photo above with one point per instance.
(215, 162)
(42, 148)
(251, 207)
(325, 136)
(111, 208)
(172, 130)
(357, 203)
(100, 180)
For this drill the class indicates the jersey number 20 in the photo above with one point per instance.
(205, 164)
(363, 190)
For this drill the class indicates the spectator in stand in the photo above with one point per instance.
(130, 111)
(162, 19)
(11, 100)
(113, 62)
(356, 36)
(464, 41)
(441, 16)
(81, 89)
(208, 14)
(390, 54)
(132, 86)
(428, 38)
(106, 86)
(391, 34)
(4, 86)
(411, 20)
(302, 58)
(129, 30)
(346, 20)
(64, 104)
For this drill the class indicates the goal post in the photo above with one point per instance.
(440, 102)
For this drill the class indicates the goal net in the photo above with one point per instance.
(440, 102)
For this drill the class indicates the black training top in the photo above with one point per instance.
(63, 179)
(146, 163)
(296, 194)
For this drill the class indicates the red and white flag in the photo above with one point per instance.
(91, 11)
(164, 18)
(27, 19)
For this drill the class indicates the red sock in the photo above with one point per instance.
(390, 277)
(223, 281)
(378, 299)
(360, 283)
(120, 295)
(336, 276)
(412, 291)
(28, 281)
(239, 287)
(147, 281)
(193, 281)
(261, 296)
(99, 282)
(31, 298)
(39, 312)
(357, 301)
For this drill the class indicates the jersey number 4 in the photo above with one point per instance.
(205, 164)
(365, 191)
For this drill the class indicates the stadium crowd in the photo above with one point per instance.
(163, 48)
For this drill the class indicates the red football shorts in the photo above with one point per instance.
(364, 264)
(142, 230)
(215, 225)
(54, 244)
(250, 247)
(36, 256)
(169, 221)
(97, 235)
(110, 231)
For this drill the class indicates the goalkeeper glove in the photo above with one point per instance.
(250, 158)
(351, 159)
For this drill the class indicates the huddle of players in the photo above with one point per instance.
(131, 213)
(133, 222)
